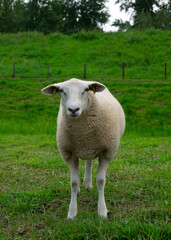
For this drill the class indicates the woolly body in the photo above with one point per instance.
(96, 131)
(89, 125)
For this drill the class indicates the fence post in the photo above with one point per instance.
(13, 70)
(165, 70)
(84, 71)
(48, 70)
(123, 71)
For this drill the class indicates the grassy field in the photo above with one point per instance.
(34, 180)
(144, 54)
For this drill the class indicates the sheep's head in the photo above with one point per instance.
(74, 94)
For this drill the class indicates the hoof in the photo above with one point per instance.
(87, 184)
(72, 212)
(71, 215)
(103, 213)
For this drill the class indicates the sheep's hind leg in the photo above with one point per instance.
(88, 174)
(101, 180)
(73, 165)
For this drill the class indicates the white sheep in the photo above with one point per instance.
(90, 124)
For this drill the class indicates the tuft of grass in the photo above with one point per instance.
(84, 35)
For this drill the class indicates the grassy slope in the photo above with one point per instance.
(34, 181)
(143, 52)
(146, 105)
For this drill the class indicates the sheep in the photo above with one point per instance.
(90, 124)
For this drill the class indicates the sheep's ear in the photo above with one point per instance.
(96, 87)
(49, 90)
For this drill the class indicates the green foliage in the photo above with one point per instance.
(83, 14)
(50, 16)
(43, 16)
(162, 17)
(70, 23)
(123, 26)
(146, 14)
(138, 6)
(18, 16)
(92, 14)
(6, 15)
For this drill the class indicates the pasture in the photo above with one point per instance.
(34, 180)
(144, 54)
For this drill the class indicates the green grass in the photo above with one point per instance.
(35, 182)
(144, 54)
(35, 191)
(25, 110)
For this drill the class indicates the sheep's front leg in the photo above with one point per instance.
(73, 165)
(88, 174)
(101, 180)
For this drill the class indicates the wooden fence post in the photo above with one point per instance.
(84, 71)
(13, 70)
(48, 70)
(165, 70)
(123, 71)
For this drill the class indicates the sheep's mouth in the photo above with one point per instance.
(74, 115)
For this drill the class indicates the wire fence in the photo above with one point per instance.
(120, 72)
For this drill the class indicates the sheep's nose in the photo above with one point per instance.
(73, 110)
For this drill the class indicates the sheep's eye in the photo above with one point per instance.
(62, 91)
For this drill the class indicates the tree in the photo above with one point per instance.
(70, 17)
(66, 16)
(43, 15)
(92, 14)
(6, 16)
(84, 14)
(138, 5)
(124, 26)
(162, 18)
(50, 16)
(146, 13)
(32, 12)
(18, 15)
